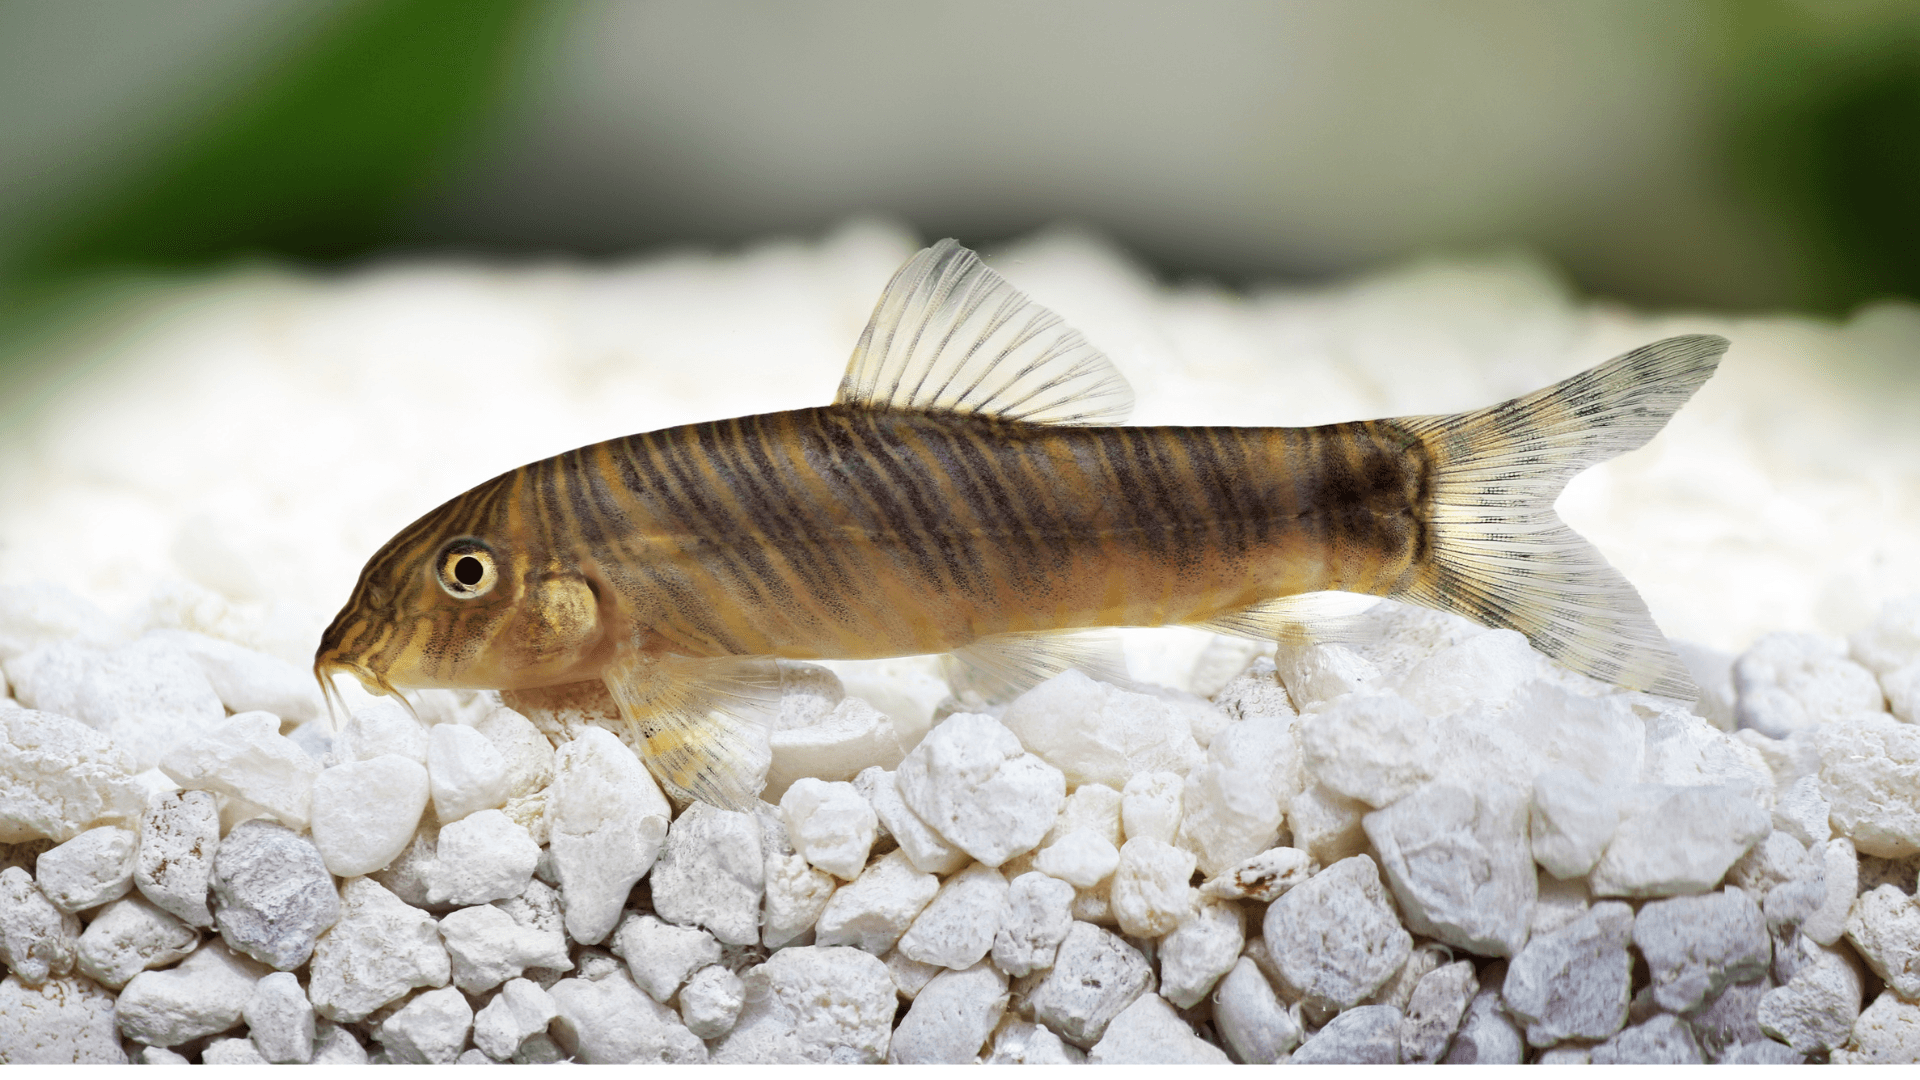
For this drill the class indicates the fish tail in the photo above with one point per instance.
(1495, 550)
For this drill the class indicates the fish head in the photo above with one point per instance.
(458, 602)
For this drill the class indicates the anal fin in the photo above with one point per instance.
(701, 723)
(1316, 618)
(1001, 667)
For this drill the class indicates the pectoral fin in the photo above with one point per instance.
(1001, 667)
(702, 723)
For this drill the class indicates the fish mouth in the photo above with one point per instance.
(326, 666)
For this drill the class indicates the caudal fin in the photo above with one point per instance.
(1498, 553)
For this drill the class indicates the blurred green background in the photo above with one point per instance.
(1733, 154)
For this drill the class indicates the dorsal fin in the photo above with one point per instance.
(950, 335)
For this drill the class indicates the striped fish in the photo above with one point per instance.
(970, 491)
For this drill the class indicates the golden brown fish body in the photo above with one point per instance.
(961, 496)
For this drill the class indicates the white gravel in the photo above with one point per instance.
(1426, 844)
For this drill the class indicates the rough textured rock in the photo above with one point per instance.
(1571, 821)
(1199, 951)
(1803, 811)
(1150, 806)
(710, 1003)
(61, 1021)
(59, 777)
(1082, 857)
(836, 745)
(247, 758)
(518, 1012)
(1870, 772)
(1815, 1010)
(1151, 894)
(832, 826)
(1663, 1040)
(1094, 976)
(813, 1004)
(179, 834)
(607, 821)
(1263, 878)
(1460, 864)
(1887, 1033)
(661, 955)
(1150, 1032)
(1250, 1016)
(205, 994)
(1730, 1019)
(37, 940)
(796, 894)
(1840, 878)
(1434, 1010)
(972, 782)
(951, 1018)
(365, 811)
(380, 727)
(280, 1019)
(873, 911)
(378, 950)
(711, 874)
(88, 870)
(130, 936)
(956, 929)
(1039, 913)
(1787, 681)
(232, 1052)
(1368, 1035)
(1884, 927)
(1101, 734)
(1675, 840)
(1376, 748)
(1335, 939)
(486, 945)
(926, 849)
(1019, 1042)
(1326, 824)
(1487, 1035)
(1233, 802)
(1696, 945)
(608, 1021)
(481, 858)
(147, 696)
(273, 897)
(430, 1029)
(1574, 982)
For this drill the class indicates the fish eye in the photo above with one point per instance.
(465, 569)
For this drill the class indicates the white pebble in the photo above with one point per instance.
(1150, 1032)
(926, 849)
(1021, 1042)
(1887, 1033)
(465, 771)
(607, 821)
(1100, 734)
(273, 897)
(1199, 951)
(1334, 939)
(1434, 1009)
(130, 936)
(1840, 878)
(1317, 673)
(64, 1021)
(1326, 824)
(1039, 913)
(1250, 1016)
(1789, 681)
(1574, 982)
(956, 929)
(1870, 772)
(1902, 687)
(1803, 812)
(910, 976)
(1150, 806)
(205, 994)
(380, 949)
(796, 894)
(661, 955)
(973, 783)
(245, 680)
(59, 777)
(1695, 946)
(1094, 976)
(1233, 802)
(813, 1004)
(1884, 927)
(1815, 1010)
(610, 1022)
(37, 940)
(830, 825)
(519, 1011)
(380, 727)
(1460, 864)
(335, 1045)
(876, 908)
(1372, 747)
(1151, 892)
(1082, 857)
(951, 1018)
(1094, 808)
(232, 1052)
(179, 834)
(487, 946)
(247, 758)
(711, 1001)
(280, 1020)
(365, 812)
(711, 874)
(1487, 1035)
(1262, 878)
(527, 753)
(147, 697)
(850, 737)
(431, 1029)
(1571, 821)
(1674, 840)
(480, 858)
(88, 870)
